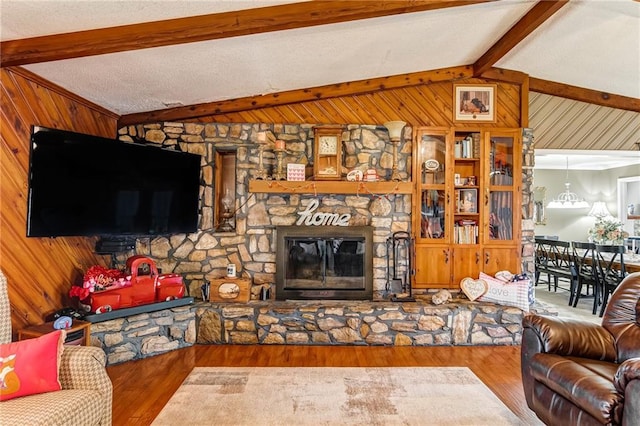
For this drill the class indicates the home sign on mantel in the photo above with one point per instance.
(309, 218)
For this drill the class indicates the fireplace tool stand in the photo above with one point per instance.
(400, 267)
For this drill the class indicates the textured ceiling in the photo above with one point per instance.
(186, 74)
(593, 44)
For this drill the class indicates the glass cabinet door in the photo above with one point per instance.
(432, 162)
(432, 225)
(501, 211)
(433, 158)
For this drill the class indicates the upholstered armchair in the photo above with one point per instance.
(86, 395)
(580, 373)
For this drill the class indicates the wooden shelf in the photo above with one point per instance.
(633, 217)
(330, 187)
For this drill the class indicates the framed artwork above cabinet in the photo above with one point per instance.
(474, 102)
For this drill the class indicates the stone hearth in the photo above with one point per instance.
(420, 323)
(359, 323)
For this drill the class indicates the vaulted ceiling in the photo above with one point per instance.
(177, 60)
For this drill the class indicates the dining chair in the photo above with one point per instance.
(584, 261)
(633, 244)
(553, 257)
(544, 259)
(611, 270)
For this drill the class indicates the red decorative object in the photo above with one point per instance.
(371, 175)
(105, 289)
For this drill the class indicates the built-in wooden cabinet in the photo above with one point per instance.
(467, 203)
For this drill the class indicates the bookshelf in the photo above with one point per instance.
(467, 203)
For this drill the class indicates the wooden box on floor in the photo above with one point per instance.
(229, 290)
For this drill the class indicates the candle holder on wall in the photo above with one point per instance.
(261, 172)
(280, 173)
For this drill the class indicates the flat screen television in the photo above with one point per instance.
(81, 185)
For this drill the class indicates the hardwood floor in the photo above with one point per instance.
(141, 388)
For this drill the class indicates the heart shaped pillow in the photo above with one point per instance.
(473, 288)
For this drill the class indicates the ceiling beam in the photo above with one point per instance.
(296, 96)
(584, 95)
(535, 17)
(206, 27)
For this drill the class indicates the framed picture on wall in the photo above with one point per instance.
(474, 103)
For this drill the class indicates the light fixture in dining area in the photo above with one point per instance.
(567, 199)
(599, 210)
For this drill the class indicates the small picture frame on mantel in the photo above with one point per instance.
(474, 102)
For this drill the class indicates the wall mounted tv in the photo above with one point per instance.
(81, 185)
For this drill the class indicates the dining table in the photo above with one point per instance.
(631, 261)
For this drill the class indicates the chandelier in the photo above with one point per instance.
(567, 199)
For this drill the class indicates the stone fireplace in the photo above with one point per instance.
(324, 262)
(253, 245)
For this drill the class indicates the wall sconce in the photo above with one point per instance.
(395, 132)
(599, 210)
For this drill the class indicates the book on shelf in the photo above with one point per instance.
(465, 232)
(468, 147)
(476, 145)
(457, 149)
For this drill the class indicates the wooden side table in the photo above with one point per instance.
(78, 334)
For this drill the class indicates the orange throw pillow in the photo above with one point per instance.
(30, 366)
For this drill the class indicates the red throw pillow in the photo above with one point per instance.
(30, 366)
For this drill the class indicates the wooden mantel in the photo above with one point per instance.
(331, 187)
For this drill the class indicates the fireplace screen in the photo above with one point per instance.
(324, 263)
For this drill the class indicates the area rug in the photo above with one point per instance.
(334, 396)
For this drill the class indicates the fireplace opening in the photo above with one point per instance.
(328, 262)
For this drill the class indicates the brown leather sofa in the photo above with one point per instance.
(580, 373)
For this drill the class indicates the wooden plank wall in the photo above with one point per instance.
(422, 105)
(39, 270)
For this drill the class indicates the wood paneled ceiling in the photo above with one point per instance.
(165, 60)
